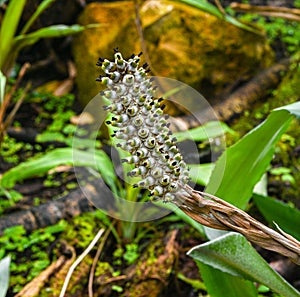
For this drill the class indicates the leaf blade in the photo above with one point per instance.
(242, 165)
(9, 26)
(281, 213)
(43, 6)
(200, 173)
(61, 156)
(220, 284)
(232, 254)
(209, 130)
(205, 6)
(54, 31)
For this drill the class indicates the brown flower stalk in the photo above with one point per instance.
(216, 213)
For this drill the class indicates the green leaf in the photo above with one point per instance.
(49, 32)
(233, 21)
(9, 26)
(239, 169)
(241, 166)
(200, 173)
(4, 276)
(229, 286)
(281, 213)
(205, 6)
(232, 254)
(211, 129)
(43, 6)
(293, 108)
(40, 166)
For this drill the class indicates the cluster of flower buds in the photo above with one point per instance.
(142, 127)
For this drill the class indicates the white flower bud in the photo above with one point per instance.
(142, 152)
(157, 191)
(128, 80)
(165, 180)
(150, 142)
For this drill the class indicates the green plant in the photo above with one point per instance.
(233, 178)
(11, 44)
(246, 162)
(283, 173)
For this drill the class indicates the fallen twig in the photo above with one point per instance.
(95, 261)
(292, 14)
(78, 260)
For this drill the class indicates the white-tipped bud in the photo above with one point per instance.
(147, 182)
(117, 107)
(138, 121)
(107, 65)
(150, 142)
(157, 191)
(128, 79)
(120, 135)
(115, 76)
(173, 187)
(157, 172)
(149, 163)
(165, 180)
(143, 133)
(134, 142)
(132, 111)
(131, 160)
(142, 170)
(168, 197)
(110, 94)
(142, 152)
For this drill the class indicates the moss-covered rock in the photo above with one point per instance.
(182, 42)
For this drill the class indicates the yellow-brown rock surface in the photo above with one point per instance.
(183, 43)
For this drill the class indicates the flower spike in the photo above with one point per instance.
(142, 127)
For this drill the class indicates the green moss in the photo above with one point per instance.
(28, 252)
(81, 231)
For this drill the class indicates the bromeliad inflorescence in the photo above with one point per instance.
(140, 122)
(144, 132)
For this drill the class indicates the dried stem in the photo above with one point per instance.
(292, 14)
(220, 7)
(216, 213)
(7, 100)
(95, 261)
(77, 262)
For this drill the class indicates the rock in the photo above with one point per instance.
(183, 43)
